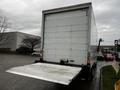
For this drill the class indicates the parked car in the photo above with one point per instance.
(109, 57)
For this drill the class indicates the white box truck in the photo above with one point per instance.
(69, 36)
(69, 40)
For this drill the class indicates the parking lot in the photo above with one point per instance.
(10, 81)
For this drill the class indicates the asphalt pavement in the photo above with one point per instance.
(10, 81)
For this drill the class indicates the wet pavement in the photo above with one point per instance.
(10, 81)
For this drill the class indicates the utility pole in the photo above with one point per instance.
(98, 48)
(116, 45)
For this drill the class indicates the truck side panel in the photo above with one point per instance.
(94, 37)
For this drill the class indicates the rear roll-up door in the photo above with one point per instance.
(65, 36)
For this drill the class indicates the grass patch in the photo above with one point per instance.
(109, 77)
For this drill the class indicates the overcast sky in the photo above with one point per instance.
(25, 15)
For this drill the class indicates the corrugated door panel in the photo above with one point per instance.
(77, 13)
(57, 46)
(63, 35)
(79, 27)
(57, 29)
(79, 34)
(66, 36)
(57, 41)
(67, 21)
(63, 53)
(78, 41)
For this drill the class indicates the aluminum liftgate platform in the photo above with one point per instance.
(49, 72)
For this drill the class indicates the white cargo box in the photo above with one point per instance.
(69, 33)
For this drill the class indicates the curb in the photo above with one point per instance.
(100, 81)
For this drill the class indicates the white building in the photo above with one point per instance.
(12, 40)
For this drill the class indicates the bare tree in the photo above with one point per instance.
(3, 27)
(30, 42)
